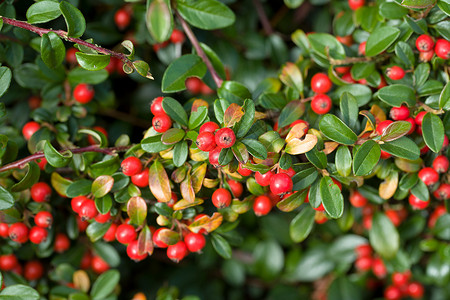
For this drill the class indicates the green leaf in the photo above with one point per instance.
(395, 131)
(6, 199)
(444, 5)
(368, 17)
(362, 93)
(332, 198)
(243, 126)
(255, 148)
(292, 202)
(343, 161)
(19, 292)
(153, 144)
(221, 245)
(55, 158)
(142, 68)
(403, 147)
(344, 288)
(421, 73)
(43, 11)
(405, 53)
(198, 117)
(391, 10)
(179, 70)
(420, 190)
(159, 20)
(225, 156)
(383, 236)
(5, 79)
(206, 14)
(220, 106)
(418, 3)
(349, 109)
(305, 177)
(291, 112)
(336, 130)
(107, 252)
(362, 70)
(268, 259)
(325, 44)
(292, 77)
(240, 152)
(180, 153)
(102, 185)
(96, 231)
(76, 24)
(293, 3)
(366, 158)
(317, 158)
(52, 50)
(396, 94)
(380, 39)
(175, 110)
(79, 188)
(92, 62)
(234, 92)
(105, 284)
(444, 98)
(137, 210)
(29, 179)
(172, 136)
(80, 75)
(433, 132)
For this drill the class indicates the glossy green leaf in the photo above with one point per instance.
(240, 152)
(420, 190)
(6, 199)
(292, 77)
(153, 144)
(137, 210)
(180, 153)
(268, 259)
(433, 132)
(221, 246)
(80, 75)
(96, 231)
(102, 185)
(362, 70)
(76, 24)
(206, 14)
(179, 70)
(30, 178)
(380, 39)
(344, 288)
(52, 50)
(19, 292)
(397, 94)
(349, 109)
(417, 3)
(292, 202)
(332, 198)
(304, 178)
(317, 158)
(395, 131)
(383, 235)
(225, 156)
(362, 93)
(405, 53)
(391, 10)
(159, 20)
(293, 3)
(107, 252)
(291, 112)
(325, 45)
(105, 284)
(142, 68)
(444, 98)
(402, 147)
(92, 62)
(243, 126)
(343, 161)
(54, 157)
(234, 92)
(198, 117)
(334, 129)
(43, 11)
(172, 136)
(255, 148)
(5, 79)
(421, 73)
(175, 111)
(366, 158)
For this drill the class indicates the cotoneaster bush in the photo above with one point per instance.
(275, 150)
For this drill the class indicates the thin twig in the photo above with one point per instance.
(38, 155)
(263, 17)
(187, 29)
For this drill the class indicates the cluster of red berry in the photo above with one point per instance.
(161, 121)
(32, 270)
(177, 37)
(321, 84)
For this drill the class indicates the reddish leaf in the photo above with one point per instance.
(159, 182)
(182, 204)
(102, 185)
(198, 103)
(297, 146)
(198, 174)
(208, 223)
(145, 243)
(187, 189)
(232, 115)
(137, 210)
(168, 236)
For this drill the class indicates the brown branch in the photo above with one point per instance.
(38, 155)
(187, 29)
(263, 17)
(354, 60)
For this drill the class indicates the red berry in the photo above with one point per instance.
(71, 57)
(347, 77)
(243, 170)
(357, 200)
(209, 127)
(221, 198)
(225, 137)
(343, 69)
(399, 278)
(29, 129)
(110, 234)
(125, 233)
(429, 176)
(363, 264)
(415, 290)
(345, 40)
(442, 49)
(92, 140)
(395, 73)
(363, 250)
(424, 43)
(83, 93)
(177, 252)
(236, 188)
(157, 240)
(62, 243)
(141, 178)
(263, 179)
(299, 122)
(43, 219)
(33, 270)
(378, 268)
(362, 48)
(206, 141)
(442, 192)
(281, 183)
(321, 104)
(133, 251)
(156, 106)
(426, 56)
(98, 265)
(42, 162)
(177, 36)
(319, 208)
(392, 293)
(355, 4)
(103, 218)
(382, 84)
(262, 205)
(88, 210)
(161, 123)
(290, 171)
(122, 18)
(194, 85)
(8, 262)
(419, 118)
(131, 166)
(399, 113)
(381, 127)
(18, 232)
(195, 242)
(81, 224)
(76, 203)
(214, 156)
(4, 228)
(321, 83)
(86, 261)
(441, 164)
(205, 89)
(37, 235)
(393, 216)
(416, 203)
(413, 124)
(40, 192)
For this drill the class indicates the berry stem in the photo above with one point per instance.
(94, 148)
(190, 34)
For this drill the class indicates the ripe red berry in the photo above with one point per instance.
(363, 250)
(209, 127)
(122, 18)
(393, 216)
(18, 232)
(426, 56)
(195, 242)
(125, 233)
(399, 113)
(319, 208)
(262, 205)
(71, 57)
(401, 278)
(442, 192)
(347, 77)
(392, 293)
(62, 243)
(157, 240)
(81, 224)
(40, 192)
(86, 261)
(413, 124)
(442, 48)
(177, 252)
(225, 137)
(29, 129)
(110, 234)
(98, 265)
(205, 89)
(236, 188)
(4, 228)
(141, 178)
(131, 166)
(291, 172)
(43, 219)
(88, 210)
(362, 48)
(133, 251)
(177, 36)
(76, 203)
(33, 270)
(321, 104)
(345, 40)
(206, 141)
(8, 262)
(395, 73)
(321, 83)
(194, 85)
(441, 164)
(429, 176)
(343, 69)
(100, 129)
(214, 156)
(161, 123)
(38, 235)
(378, 268)
(263, 179)
(424, 43)
(363, 264)
(357, 200)
(281, 183)
(299, 122)
(419, 118)
(381, 127)
(156, 106)
(83, 93)
(244, 171)
(355, 4)
(415, 290)
(221, 198)
(103, 218)
(416, 203)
